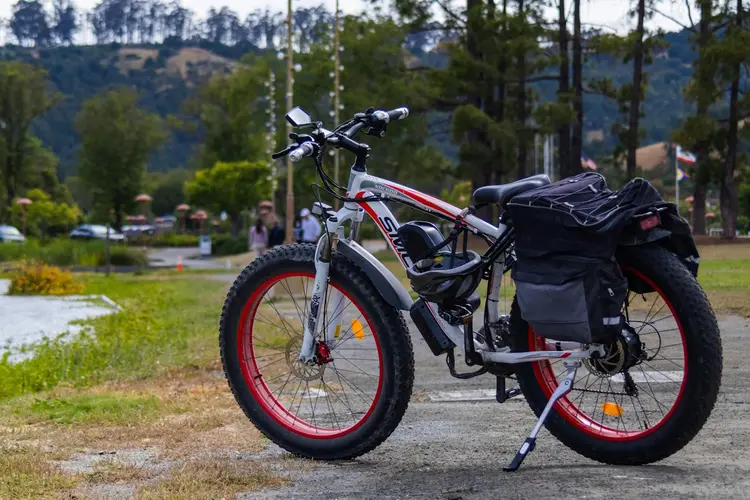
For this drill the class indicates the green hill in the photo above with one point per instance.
(167, 74)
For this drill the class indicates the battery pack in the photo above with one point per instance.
(430, 329)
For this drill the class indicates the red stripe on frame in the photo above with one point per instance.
(422, 198)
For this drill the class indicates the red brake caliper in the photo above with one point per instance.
(323, 353)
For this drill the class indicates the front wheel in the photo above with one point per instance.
(651, 410)
(352, 397)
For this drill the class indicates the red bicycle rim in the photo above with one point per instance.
(256, 382)
(548, 381)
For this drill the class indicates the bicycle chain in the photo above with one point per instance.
(600, 392)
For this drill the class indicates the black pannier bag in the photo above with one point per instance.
(568, 284)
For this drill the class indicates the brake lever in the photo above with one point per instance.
(378, 131)
(284, 152)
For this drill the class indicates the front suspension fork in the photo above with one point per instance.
(316, 313)
(317, 300)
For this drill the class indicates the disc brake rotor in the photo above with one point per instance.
(304, 371)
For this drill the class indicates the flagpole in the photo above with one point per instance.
(676, 182)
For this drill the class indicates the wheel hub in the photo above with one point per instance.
(304, 371)
(622, 354)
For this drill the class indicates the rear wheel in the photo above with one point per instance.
(353, 396)
(654, 408)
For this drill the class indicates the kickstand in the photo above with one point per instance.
(562, 389)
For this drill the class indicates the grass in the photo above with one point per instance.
(92, 409)
(27, 473)
(211, 479)
(143, 380)
(166, 322)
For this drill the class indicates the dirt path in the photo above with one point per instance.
(457, 450)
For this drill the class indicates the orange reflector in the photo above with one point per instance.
(612, 409)
(359, 331)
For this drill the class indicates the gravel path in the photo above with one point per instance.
(457, 450)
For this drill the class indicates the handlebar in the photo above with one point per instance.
(341, 137)
(387, 116)
(305, 149)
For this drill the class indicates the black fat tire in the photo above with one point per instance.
(704, 368)
(393, 335)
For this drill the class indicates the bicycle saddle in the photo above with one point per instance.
(502, 193)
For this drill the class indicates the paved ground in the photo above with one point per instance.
(22, 322)
(457, 450)
(168, 257)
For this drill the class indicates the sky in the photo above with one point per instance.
(608, 13)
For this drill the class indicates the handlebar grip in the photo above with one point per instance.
(387, 116)
(305, 149)
(398, 113)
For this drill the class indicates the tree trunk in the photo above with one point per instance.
(728, 196)
(705, 81)
(699, 207)
(499, 112)
(563, 91)
(577, 140)
(635, 96)
(117, 209)
(479, 172)
(521, 99)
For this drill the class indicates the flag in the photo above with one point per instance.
(685, 156)
(587, 162)
(680, 174)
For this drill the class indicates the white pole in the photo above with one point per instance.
(552, 158)
(676, 183)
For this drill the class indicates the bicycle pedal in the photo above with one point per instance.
(501, 395)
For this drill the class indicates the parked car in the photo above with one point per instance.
(9, 234)
(96, 232)
(137, 230)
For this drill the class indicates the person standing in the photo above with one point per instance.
(276, 235)
(310, 226)
(297, 229)
(258, 238)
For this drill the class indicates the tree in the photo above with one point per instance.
(563, 92)
(64, 22)
(577, 135)
(29, 23)
(636, 91)
(734, 51)
(23, 97)
(167, 189)
(232, 187)
(117, 138)
(264, 27)
(231, 115)
(698, 131)
(44, 216)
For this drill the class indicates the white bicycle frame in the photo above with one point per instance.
(362, 185)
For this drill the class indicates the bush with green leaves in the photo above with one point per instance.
(65, 252)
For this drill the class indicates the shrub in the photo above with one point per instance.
(32, 278)
(122, 256)
(225, 244)
(173, 240)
